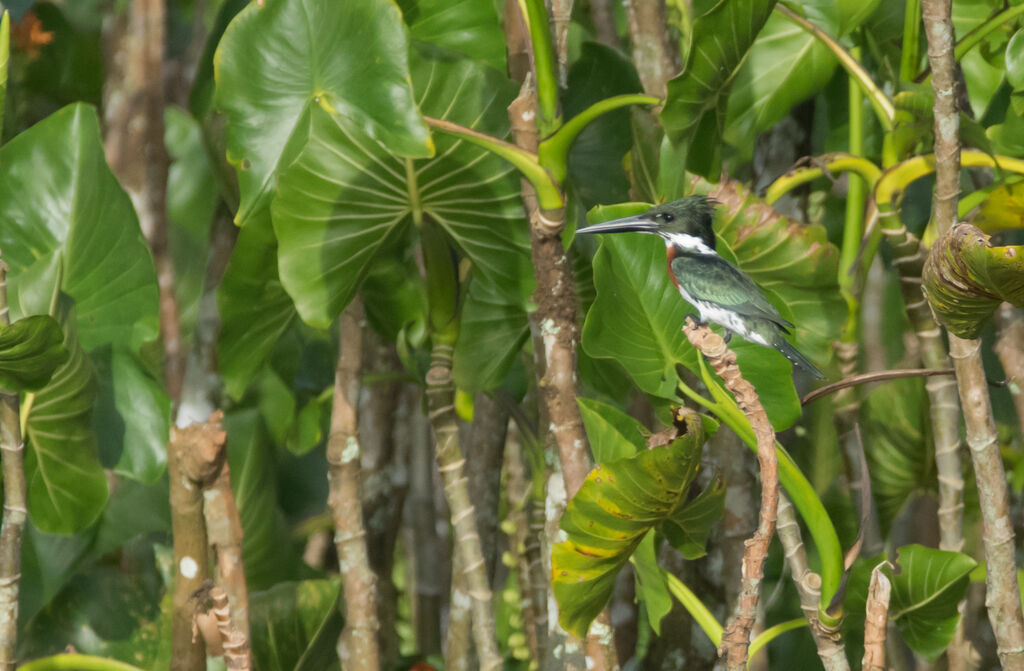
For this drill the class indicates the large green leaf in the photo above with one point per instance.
(491, 334)
(282, 59)
(67, 228)
(965, 279)
(690, 530)
(925, 595)
(64, 218)
(898, 452)
(287, 618)
(67, 488)
(785, 66)
(254, 308)
(344, 198)
(637, 320)
(470, 27)
(651, 586)
(619, 503)
(31, 349)
(697, 97)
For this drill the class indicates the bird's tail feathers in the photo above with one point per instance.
(794, 355)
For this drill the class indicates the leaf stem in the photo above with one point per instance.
(695, 607)
(545, 71)
(771, 633)
(910, 54)
(879, 101)
(823, 166)
(553, 152)
(548, 193)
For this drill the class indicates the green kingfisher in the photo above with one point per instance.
(722, 293)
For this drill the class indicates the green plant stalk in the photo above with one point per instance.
(548, 192)
(76, 662)
(879, 101)
(793, 480)
(695, 607)
(910, 56)
(975, 37)
(771, 633)
(442, 297)
(553, 152)
(545, 69)
(854, 225)
(828, 164)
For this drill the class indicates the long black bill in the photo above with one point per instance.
(638, 224)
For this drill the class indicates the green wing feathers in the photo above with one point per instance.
(713, 279)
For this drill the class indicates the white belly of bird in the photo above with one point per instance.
(709, 312)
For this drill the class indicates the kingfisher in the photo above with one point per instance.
(721, 292)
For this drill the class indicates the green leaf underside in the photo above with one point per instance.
(343, 199)
(619, 503)
(470, 27)
(718, 44)
(651, 586)
(277, 62)
(925, 595)
(31, 349)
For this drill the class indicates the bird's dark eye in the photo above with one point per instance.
(666, 217)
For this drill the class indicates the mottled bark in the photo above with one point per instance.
(134, 118)
(224, 531)
(357, 647)
(875, 617)
(194, 458)
(736, 637)
(233, 643)
(561, 14)
(555, 328)
(385, 440)
(1003, 597)
(808, 585)
(602, 15)
(441, 401)
(653, 53)
(15, 510)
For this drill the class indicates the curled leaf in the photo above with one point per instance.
(31, 349)
(965, 279)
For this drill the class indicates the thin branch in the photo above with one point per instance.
(652, 49)
(736, 638)
(15, 510)
(868, 378)
(357, 648)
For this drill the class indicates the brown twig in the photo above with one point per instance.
(561, 13)
(875, 617)
(224, 531)
(736, 637)
(868, 378)
(1003, 593)
(357, 648)
(808, 585)
(15, 511)
(194, 458)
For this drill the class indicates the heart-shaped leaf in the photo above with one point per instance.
(965, 280)
(925, 595)
(344, 198)
(619, 503)
(281, 59)
(697, 96)
(31, 349)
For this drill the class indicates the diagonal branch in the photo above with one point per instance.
(736, 638)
